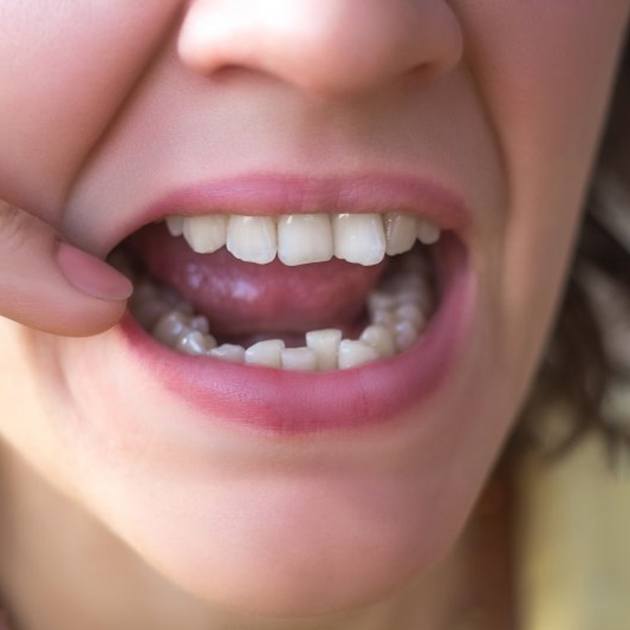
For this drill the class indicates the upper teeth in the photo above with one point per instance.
(359, 238)
(300, 239)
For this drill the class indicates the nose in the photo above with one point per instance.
(326, 47)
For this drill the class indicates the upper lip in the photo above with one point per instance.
(276, 194)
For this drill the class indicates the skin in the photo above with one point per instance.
(146, 524)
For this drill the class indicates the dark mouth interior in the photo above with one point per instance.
(246, 303)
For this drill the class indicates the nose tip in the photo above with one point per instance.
(327, 47)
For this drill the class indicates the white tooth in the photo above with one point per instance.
(229, 352)
(355, 353)
(412, 314)
(173, 298)
(428, 232)
(383, 317)
(304, 239)
(252, 239)
(409, 295)
(325, 345)
(422, 297)
(147, 305)
(170, 327)
(175, 225)
(359, 238)
(201, 324)
(381, 339)
(406, 335)
(196, 343)
(380, 301)
(300, 359)
(205, 234)
(267, 353)
(401, 231)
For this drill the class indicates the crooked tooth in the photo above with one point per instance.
(229, 352)
(359, 238)
(252, 239)
(147, 305)
(411, 313)
(417, 295)
(201, 324)
(300, 359)
(406, 334)
(381, 301)
(325, 345)
(383, 317)
(381, 308)
(170, 296)
(420, 295)
(304, 239)
(401, 231)
(355, 353)
(428, 232)
(196, 343)
(205, 234)
(171, 326)
(267, 353)
(381, 339)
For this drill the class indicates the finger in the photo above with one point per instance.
(51, 285)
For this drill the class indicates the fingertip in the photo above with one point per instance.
(92, 276)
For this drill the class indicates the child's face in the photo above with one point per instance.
(108, 105)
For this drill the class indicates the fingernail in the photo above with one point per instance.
(92, 276)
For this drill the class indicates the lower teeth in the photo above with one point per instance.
(397, 316)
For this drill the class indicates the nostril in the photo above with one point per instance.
(230, 71)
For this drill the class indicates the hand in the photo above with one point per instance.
(52, 286)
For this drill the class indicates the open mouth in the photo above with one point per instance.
(310, 292)
(297, 322)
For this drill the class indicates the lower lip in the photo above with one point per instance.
(280, 402)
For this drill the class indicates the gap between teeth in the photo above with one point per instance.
(397, 315)
(301, 239)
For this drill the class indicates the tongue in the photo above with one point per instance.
(242, 298)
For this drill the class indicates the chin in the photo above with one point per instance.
(294, 536)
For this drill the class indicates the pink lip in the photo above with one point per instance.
(288, 403)
(272, 194)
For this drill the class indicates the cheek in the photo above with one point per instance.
(33, 408)
(545, 72)
(68, 71)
